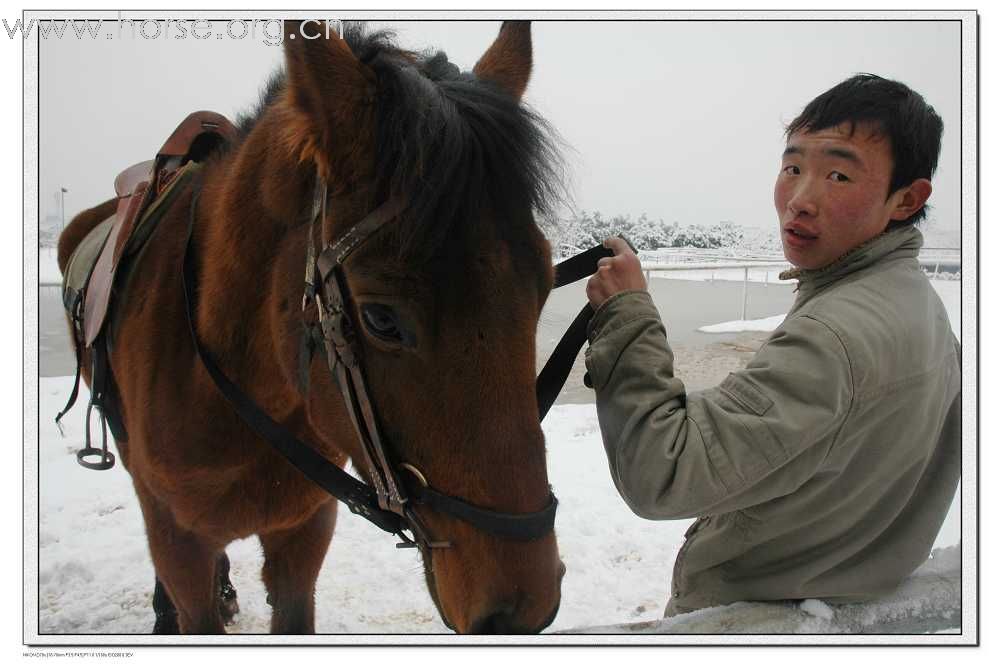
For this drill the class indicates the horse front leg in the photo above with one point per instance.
(166, 613)
(186, 571)
(292, 560)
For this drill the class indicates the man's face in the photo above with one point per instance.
(831, 193)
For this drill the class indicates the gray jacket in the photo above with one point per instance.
(825, 468)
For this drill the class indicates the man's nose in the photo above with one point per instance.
(803, 200)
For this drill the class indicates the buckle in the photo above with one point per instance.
(416, 472)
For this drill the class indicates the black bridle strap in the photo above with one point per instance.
(344, 352)
(358, 496)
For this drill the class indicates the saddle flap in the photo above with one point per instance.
(95, 305)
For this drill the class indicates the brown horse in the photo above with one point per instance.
(449, 295)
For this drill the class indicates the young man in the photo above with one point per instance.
(826, 467)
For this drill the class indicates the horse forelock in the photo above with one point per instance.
(459, 150)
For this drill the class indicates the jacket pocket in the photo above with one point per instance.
(746, 394)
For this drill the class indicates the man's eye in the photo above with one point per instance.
(791, 169)
(837, 176)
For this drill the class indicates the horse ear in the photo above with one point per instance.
(507, 62)
(326, 83)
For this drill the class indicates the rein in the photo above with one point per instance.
(385, 502)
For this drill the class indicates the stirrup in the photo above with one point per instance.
(107, 458)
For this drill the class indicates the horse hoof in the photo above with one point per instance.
(228, 606)
(228, 610)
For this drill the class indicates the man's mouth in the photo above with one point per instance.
(799, 237)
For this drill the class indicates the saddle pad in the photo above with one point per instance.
(81, 263)
(154, 211)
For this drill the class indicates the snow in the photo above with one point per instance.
(96, 577)
(817, 608)
(928, 601)
(949, 291)
(754, 325)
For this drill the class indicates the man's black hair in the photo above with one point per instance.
(898, 113)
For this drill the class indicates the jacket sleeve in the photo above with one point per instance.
(760, 434)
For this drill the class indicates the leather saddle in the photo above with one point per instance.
(137, 187)
(144, 191)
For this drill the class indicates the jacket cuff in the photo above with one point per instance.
(619, 309)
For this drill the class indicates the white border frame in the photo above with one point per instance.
(969, 316)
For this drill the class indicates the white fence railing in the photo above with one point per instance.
(935, 263)
(929, 262)
(745, 266)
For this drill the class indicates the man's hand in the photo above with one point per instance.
(621, 272)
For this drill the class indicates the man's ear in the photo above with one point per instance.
(910, 199)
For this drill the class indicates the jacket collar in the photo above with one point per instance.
(903, 242)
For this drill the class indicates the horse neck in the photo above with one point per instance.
(251, 230)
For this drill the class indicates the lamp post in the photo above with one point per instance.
(62, 207)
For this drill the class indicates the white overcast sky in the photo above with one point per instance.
(681, 120)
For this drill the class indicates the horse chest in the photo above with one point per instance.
(241, 502)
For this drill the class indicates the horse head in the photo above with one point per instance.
(446, 297)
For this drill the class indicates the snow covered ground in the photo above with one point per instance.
(926, 602)
(95, 575)
(753, 325)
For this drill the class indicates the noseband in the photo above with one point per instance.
(385, 501)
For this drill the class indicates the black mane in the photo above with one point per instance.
(457, 148)
(246, 120)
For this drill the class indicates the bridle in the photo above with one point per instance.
(326, 282)
(386, 501)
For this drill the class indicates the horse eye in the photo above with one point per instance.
(381, 322)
